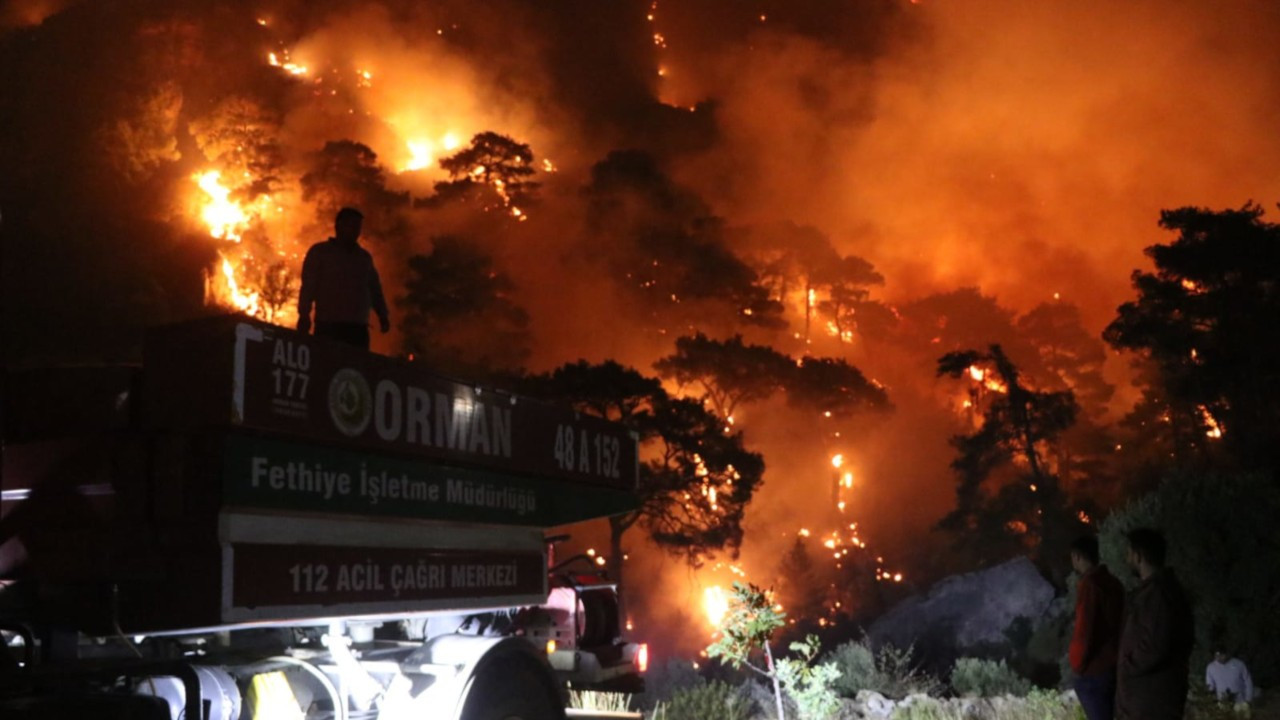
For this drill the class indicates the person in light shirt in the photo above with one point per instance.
(1228, 678)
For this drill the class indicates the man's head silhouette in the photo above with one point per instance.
(347, 224)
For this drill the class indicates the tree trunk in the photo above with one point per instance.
(808, 310)
(777, 687)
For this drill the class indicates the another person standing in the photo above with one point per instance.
(1155, 646)
(1095, 642)
(339, 278)
(1228, 678)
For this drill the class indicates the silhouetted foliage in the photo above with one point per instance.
(1028, 509)
(832, 385)
(144, 137)
(494, 170)
(1206, 319)
(1070, 352)
(346, 173)
(695, 479)
(797, 579)
(1223, 543)
(668, 250)
(726, 373)
(458, 313)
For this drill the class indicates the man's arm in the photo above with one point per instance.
(1153, 634)
(306, 293)
(379, 302)
(1248, 683)
(1086, 618)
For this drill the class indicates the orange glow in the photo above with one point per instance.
(1213, 429)
(246, 302)
(226, 219)
(715, 604)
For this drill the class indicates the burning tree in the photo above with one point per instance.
(727, 372)
(1204, 320)
(1018, 425)
(494, 164)
(241, 137)
(848, 284)
(346, 173)
(695, 479)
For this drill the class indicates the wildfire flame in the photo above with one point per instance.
(227, 220)
(1213, 429)
(286, 65)
(423, 151)
(247, 302)
(715, 603)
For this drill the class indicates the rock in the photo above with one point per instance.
(871, 704)
(971, 613)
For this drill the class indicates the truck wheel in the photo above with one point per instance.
(512, 688)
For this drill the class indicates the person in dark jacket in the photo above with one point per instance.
(1095, 642)
(339, 278)
(1155, 646)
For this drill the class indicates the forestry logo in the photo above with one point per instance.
(350, 402)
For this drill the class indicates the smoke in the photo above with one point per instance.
(1022, 149)
(25, 13)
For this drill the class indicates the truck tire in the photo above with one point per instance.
(512, 688)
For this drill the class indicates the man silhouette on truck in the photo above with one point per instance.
(339, 278)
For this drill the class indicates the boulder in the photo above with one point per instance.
(870, 704)
(971, 614)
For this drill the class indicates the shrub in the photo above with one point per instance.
(1223, 541)
(857, 667)
(1045, 705)
(974, 677)
(892, 672)
(809, 684)
(712, 701)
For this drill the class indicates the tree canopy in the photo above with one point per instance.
(1206, 319)
(668, 251)
(695, 479)
(1028, 510)
(459, 316)
(494, 167)
(726, 373)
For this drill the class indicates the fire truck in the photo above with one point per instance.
(263, 525)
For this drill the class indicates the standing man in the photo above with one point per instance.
(338, 276)
(1095, 642)
(1155, 647)
(1228, 678)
